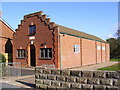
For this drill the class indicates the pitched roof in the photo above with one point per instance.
(7, 24)
(76, 33)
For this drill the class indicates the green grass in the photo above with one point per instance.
(115, 59)
(115, 67)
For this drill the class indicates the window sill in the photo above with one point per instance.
(45, 58)
(20, 58)
(31, 35)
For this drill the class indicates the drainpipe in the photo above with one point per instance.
(101, 53)
(60, 52)
(81, 50)
(96, 51)
(60, 49)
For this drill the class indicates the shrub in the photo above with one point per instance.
(2, 58)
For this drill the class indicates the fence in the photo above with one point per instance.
(10, 69)
(75, 79)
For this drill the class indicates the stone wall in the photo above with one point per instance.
(75, 79)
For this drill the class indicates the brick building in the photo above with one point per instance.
(6, 36)
(38, 41)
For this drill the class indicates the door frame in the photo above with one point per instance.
(29, 57)
(32, 45)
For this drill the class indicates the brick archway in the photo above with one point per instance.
(29, 47)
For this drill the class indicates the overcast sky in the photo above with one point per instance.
(96, 18)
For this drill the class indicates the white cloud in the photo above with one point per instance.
(108, 36)
(117, 26)
(111, 36)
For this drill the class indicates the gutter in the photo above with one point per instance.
(6, 38)
(82, 37)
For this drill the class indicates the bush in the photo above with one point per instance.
(2, 58)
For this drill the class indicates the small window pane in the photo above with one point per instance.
(42, 53)
(103, 48)
(98, 47)
(76, 48)
(46, 52)
(50, 53)
(21, 53)
(32, 29)
(18, 53)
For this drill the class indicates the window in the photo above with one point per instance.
(32, 30)
(98, 47)
(46, 53)
(21, 53)
(76, 48)
(103, 48)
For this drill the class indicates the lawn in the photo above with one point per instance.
(115, 59)
(115, 67)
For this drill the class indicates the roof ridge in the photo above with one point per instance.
(77, 33)
(72, 29)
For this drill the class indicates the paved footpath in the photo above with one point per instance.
(6, 85)
(18, 82)
(96, 66)
(27, 80)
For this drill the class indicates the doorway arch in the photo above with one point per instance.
(32, 55)
(9, 50)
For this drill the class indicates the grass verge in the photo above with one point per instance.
(115, 59)
(115, 67)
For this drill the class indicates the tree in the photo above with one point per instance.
(115, 45)
(118, 38)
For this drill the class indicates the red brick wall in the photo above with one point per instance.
(5, 32)
(68, 57)
(103, 53)
(99, 51)
(107, 52)
(88, 52)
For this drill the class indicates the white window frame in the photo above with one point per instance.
(76, 48)
(103, 47)
(98, 47)
(44, 52)
(21, 53)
